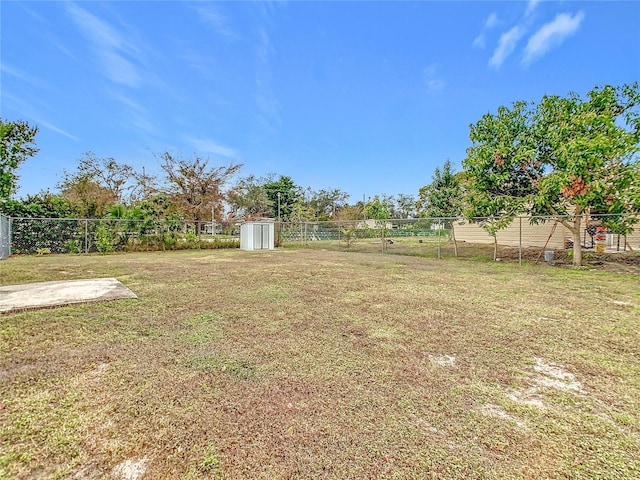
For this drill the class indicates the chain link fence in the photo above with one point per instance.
(524, 239)
(68, 235)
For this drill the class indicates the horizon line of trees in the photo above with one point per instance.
(564, 156)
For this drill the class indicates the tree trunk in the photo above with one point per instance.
(577, 245)
(453, 237)
(495, 248)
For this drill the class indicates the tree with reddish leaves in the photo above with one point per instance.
(564, 157)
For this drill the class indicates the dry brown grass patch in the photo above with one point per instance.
(311, 364)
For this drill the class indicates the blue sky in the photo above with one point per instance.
(368, 97)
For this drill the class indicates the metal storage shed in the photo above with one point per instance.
(257, 235)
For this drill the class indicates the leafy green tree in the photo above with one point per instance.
(41, 205)
(248, 199)
(87, 197)
(498, 187)
(195, 187)
(325, 202)
(302, 213)
(564, 157)
(282, 193)
(42, 221)
(442, 198)
(379, 210)
(589, 149)
(107, 172)
(97, 184)
(405, 206)
(16, 145)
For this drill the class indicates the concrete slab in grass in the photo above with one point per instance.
(51, 294)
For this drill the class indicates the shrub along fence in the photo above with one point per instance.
(72, 235)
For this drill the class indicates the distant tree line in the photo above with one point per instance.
(562, 157)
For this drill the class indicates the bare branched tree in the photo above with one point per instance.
(196, 187)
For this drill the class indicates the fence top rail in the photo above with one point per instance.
(457, 219)
(346, 221)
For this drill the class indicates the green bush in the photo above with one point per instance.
(73, 246)
(105, 239)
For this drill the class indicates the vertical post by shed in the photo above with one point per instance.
(86, 235)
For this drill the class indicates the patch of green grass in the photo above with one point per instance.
(236, 368)
(270, 293)
(41, 429)
(202, 328)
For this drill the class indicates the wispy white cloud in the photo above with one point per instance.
(137, 116)
(480, 41)
(45, 29)
(210, 15)
(32, 113)
(432, 78)
(114, 51)
(531, 6)
(552, 34)
(490, 22)
(264, 47)
(506, 46)
(209, 146)
(52, 127)
(24, 76)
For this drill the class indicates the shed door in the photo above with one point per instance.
(260, 237)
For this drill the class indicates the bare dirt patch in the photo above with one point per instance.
(130, 469)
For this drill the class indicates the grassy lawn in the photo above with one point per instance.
(322, 364)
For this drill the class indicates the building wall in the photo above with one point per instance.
(537, 235)
(549, 233)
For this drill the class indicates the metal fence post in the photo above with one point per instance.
(5, 237)
(86, 235)
(438, 233)
(520, 243)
